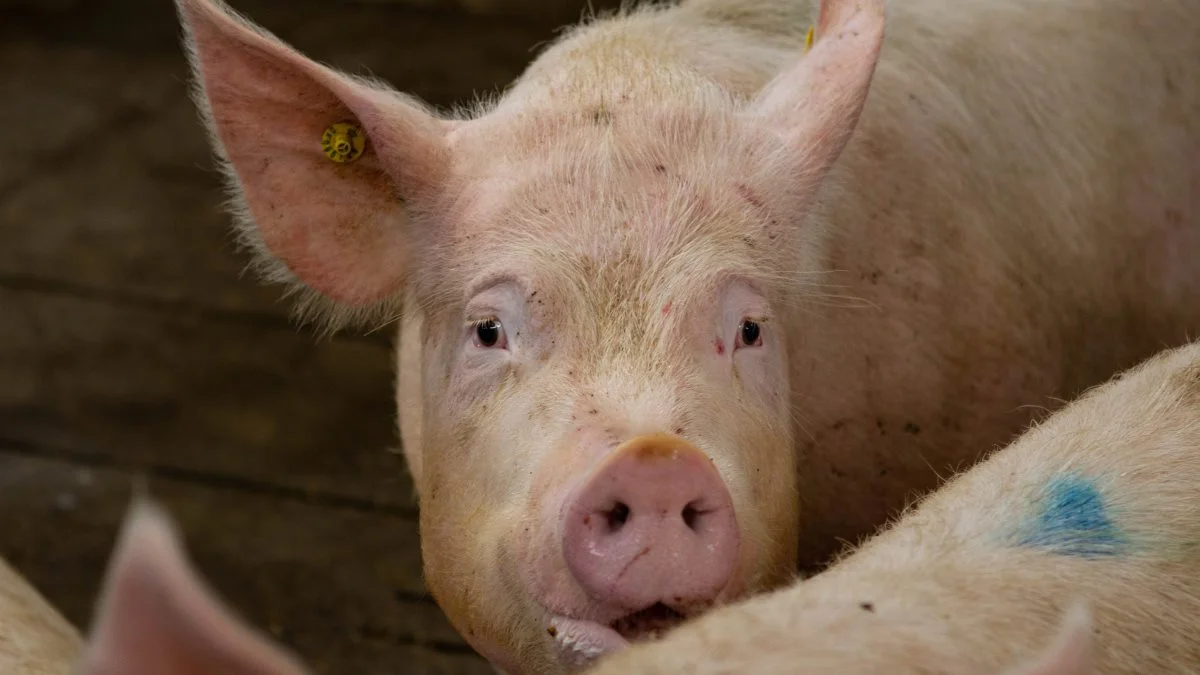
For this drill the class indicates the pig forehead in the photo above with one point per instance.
(648, 237)
(605, 281)
(604, 208)
(607, 133)
(601, 200)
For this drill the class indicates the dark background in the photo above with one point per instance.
(132, 346)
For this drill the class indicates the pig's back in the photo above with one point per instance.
(1100, 503)
(1040, 155)
(34, 638)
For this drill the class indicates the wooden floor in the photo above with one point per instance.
(132, 346)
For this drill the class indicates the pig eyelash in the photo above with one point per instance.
(488, 333)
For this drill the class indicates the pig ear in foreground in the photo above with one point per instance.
(1071, 653)
(326, 167)
(815, 106)
(155, 617)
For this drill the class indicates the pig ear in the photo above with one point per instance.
(339, 228)
(156, 617)
(1071, 653)
(815, 106)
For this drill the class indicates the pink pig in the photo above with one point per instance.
(687, 305)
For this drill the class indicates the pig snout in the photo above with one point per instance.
(654, 523)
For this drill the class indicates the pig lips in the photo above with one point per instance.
(649, 623)
(581, 642)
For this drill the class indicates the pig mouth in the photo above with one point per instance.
(647, 624)
(581, 642)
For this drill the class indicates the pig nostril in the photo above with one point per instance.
(690, 514)
(649, 524)
(617, 516)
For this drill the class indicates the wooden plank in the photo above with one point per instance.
(441, 57)
(132, 27)
(136, 213)
(55, 102)
(340, 586)
(266, 407)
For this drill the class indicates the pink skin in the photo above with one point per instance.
(561, 329)
(654, 501)
(675, 508)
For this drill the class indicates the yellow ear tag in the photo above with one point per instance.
(808, 38)
(343, 142)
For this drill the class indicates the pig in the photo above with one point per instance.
(35, 639)
(697, 298)
(1094, 514)
(157, 616)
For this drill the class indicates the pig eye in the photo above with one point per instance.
(489, 334)
(749, 334)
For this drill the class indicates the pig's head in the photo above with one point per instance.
(601, 292)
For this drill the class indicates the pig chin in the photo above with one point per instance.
(629, 547)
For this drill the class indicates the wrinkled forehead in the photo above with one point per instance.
(631, 205)
(603, 138)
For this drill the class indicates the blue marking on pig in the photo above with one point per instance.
(1073, 521)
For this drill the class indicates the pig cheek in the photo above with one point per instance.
(515, 481)
(773, 446)
(490, 622)
(463, 492)
(766, 504)
(464, 415)
(755, 456)
(539, 548)
(465, 565)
